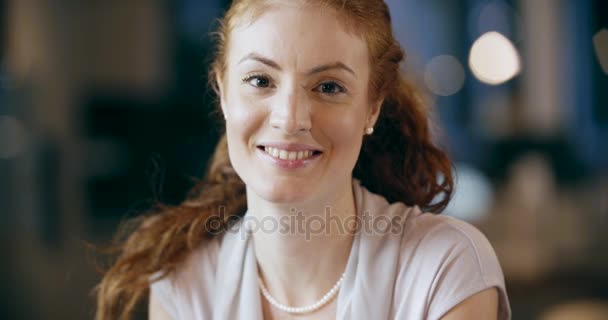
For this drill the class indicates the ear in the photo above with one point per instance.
(374, 112)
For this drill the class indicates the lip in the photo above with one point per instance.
(288, 164)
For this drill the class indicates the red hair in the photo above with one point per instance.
(399, 161)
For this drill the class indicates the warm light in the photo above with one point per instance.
(600, 43)
(444, 75)
(493, 58)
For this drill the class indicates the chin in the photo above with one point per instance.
(283, 194)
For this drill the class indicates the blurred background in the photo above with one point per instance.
(104, 107)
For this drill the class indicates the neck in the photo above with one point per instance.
(303, 257)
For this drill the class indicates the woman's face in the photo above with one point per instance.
(295, 97)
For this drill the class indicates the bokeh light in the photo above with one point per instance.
(600, 43)
(444, 75)
(473, 194)
(493, 58)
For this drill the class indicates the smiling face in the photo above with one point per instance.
(295, 97)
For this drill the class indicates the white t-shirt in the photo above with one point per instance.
(421, 269)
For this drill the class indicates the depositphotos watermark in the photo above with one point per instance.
(309, 225)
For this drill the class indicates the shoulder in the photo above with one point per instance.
(427, 233)
(194, 277)
(449, 260)
(432, 244)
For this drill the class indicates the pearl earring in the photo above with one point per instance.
(369, 130)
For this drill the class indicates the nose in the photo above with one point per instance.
(291, 111)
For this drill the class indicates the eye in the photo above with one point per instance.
(257, 80)
(330, 88)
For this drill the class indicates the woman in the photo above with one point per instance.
(321, 131)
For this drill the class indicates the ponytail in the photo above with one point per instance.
(399, 161)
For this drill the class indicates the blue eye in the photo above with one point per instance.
(330, 87)
(257, 80)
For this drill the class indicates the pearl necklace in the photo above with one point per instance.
(306, 309)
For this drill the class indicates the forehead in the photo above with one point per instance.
(299, 37)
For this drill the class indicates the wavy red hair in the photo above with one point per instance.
(399, 161)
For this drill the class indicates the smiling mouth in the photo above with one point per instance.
(282, 154)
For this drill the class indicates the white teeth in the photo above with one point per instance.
(288, 155)
(283, 155)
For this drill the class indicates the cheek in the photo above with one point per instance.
(244, 122)
(244, 119)
(345, 135)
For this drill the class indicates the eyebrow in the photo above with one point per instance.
(269, 62)
(331, 66)
(262, 59)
